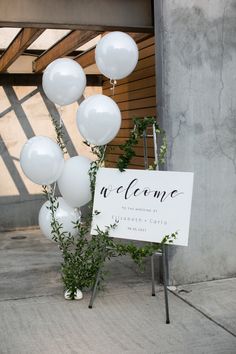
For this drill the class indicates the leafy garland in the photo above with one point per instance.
(140, 126)
(85, 254)
(59, 135)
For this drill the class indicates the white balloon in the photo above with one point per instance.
(41, 160)
(98, 119)
(116, 55)
(74, 182)
(64, 81)
(65, 215)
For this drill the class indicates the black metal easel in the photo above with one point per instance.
(164, 251)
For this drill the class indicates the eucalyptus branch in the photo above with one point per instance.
(163, 149)
(59, 135)
(98, 151)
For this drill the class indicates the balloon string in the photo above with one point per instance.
(113, 83)
(54, 189)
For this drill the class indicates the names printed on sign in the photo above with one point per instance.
(146, 219)
(145, 205)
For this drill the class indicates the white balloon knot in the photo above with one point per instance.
(113, 83)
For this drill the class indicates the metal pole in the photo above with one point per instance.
(155, 145)
(95, 288)
(165, 283)
(97, 280)
(167, 264)
(153, 275)
(145, 150)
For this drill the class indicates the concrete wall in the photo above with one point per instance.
(199, 83)
(25, 112)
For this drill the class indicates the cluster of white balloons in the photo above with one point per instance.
(98, 120)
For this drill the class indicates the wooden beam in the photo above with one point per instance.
(22, 40)
(38, 52)
(86, 58)
(36, 80)
(139, 37)
(64, 46)
(102, 15)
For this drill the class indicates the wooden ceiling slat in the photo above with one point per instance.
(133, 95)
(63, 47)
(38, 52)
(140, 37)
(132, 86)
(22, 41)
(136, 75)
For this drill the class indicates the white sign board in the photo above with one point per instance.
(146, 205)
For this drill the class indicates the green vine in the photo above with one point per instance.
(98, 151)
(140, 126)
(83, 255)
(59, 134)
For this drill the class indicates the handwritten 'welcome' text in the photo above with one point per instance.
(131, 191)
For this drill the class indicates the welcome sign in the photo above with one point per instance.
(146, 205)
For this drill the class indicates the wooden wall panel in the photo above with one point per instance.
(136, 97)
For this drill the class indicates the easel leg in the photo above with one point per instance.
(164, 262)
(153, 275)
(167, 264)
(95, 289)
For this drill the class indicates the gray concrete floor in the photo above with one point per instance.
(34, 317)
